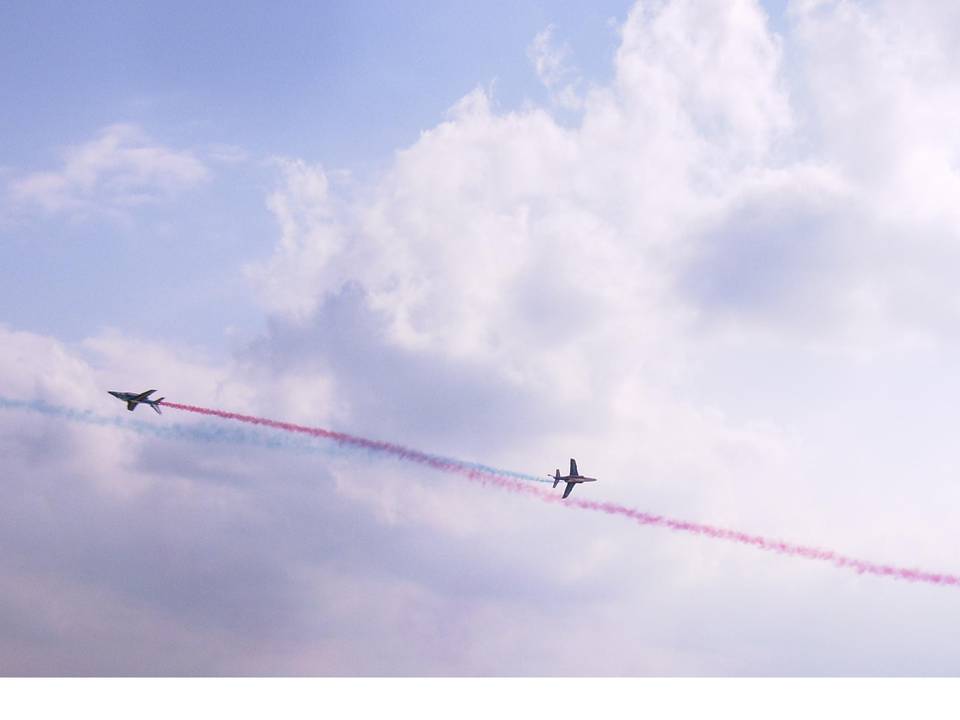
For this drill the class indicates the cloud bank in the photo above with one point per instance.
(725, 288)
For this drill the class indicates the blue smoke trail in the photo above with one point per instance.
(217, 433)
(495, 471)
(199, 432)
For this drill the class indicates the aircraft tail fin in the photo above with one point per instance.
(556, 478)
(156, 405)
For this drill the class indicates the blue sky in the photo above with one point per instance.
(345, 83)
(341, 84)
(707, 247)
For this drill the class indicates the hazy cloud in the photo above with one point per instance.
(550, 61)
(118, 170)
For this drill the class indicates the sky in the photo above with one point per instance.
(707, 248)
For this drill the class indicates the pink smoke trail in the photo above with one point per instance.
(492, 477)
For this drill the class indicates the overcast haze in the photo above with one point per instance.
(709, 248)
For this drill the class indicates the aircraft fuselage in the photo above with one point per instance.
(572, 479)
(134, 399)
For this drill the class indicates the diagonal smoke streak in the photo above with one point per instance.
(221, 434)
(514, 482)
(437, 462)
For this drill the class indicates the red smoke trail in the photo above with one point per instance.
(514, 485)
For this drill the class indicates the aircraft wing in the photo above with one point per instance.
(145, 395)
(131, 404)
(569, 489)
(573, 468)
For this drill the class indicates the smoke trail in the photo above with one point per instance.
(514, 482)
(437, 462)
(220, 434)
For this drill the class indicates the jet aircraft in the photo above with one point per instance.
(134, 399)
(572, 479)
